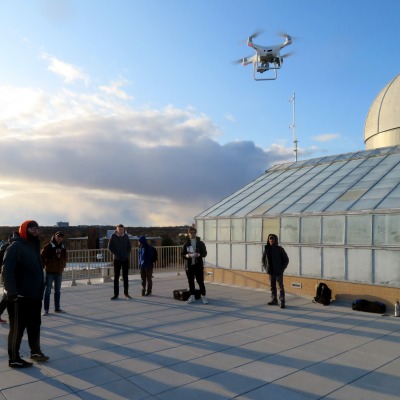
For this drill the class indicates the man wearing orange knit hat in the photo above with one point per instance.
(24, 284)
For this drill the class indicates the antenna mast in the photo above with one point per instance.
(293, 125)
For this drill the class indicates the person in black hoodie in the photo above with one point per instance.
(275, 260)
(24, 284)
(194, 250)
(54, 258)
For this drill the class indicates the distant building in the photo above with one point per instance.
(62, 224)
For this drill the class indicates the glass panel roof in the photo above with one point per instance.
(363, 180)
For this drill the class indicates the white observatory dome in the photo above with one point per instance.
(382, 126)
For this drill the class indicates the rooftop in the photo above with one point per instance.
(158, 348)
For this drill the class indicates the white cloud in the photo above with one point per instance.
(93, 159)
(68, 72)
(114, 89)
(327, 137)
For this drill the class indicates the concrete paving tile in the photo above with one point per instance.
(38, 390)
(224, 359)
(192, 391)
(195, 370)
(232, 383)
(133, 366)
(354, 392)
(320, 379)
(11, 377)
(87, 378)
(111, 355)
(116, 390)
(161, 380)
(263, 370)
(151, 345)
(69, 365)
(276, 392)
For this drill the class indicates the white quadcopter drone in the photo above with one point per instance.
(267, 58)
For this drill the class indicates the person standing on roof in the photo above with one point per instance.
(24, 284)
(194, 250)
(146, 260)
(275, 261)
(54, 257)
(120, 246)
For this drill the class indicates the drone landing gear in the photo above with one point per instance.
(260, 68)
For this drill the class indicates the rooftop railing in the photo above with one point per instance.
(98, 263)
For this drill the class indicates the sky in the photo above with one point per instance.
(133, 112)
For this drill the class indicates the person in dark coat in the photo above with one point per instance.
(24, 284)
(194, 250)
(54, 257)
(146, 260)
(120, 246)
(275, 261)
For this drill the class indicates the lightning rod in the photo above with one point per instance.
(293, 125)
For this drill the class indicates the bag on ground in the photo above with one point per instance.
(184, 294)
(323, 294)
(369, 306)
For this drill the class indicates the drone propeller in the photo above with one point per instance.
(287, 36)
(255, 34)
(240, 60)
(288, 54)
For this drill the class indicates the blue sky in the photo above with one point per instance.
(133, 112)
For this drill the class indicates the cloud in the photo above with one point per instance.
(68, 72)
(94, 159)
(114, 89)
(327, 137)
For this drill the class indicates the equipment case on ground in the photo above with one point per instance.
(184, 294)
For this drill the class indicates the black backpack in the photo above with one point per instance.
(154, 254)
(323, 294)
(369, 306)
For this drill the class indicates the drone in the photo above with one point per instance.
(267, 58)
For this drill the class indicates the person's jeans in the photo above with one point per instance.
(118, 265)
(273, 279)
(49, 279)
(196, 272)
(23, 314)
(147, 277)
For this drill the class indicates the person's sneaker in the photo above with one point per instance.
(190, 300)
(204, 299)
(272, 303)
(59, 310)
(127, 296)
(143, 292)
(2, 321)
(19, 363)
(148, 293)
(40, 357)
(283, 305)
(114, 298)
(45, 313)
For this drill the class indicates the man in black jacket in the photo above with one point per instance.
(24, 285)
(120, 246)
(275, 260)
(193, 251)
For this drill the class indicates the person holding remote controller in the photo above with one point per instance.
(193, 251)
